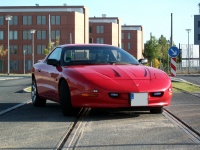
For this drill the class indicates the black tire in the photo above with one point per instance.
(65, 100)
(156, 110)
(36, 99)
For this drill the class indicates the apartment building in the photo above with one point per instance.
(105, 30)
(31, 28)
(132, 40)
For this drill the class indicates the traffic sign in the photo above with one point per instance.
(173, 51)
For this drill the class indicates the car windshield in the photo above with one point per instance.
(93, 55)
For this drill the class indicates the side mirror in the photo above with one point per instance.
(53, 62)
(143, 61)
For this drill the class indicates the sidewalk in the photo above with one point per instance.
(13, 76)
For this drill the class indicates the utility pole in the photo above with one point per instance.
(188, 51)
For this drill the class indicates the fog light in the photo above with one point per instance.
(113, 95)
(157, 93)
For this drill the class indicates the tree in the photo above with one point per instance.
(3, 53)
(164, 46)
(51, 46)
(152, 50)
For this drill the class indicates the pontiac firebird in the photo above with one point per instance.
(98, 76)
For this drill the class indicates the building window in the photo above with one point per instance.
(14, 65)
(198, 23)
(122, 35)
(54, 34)
(41, 20)
(122, 45)
(27, 35)
(41, 34)
(40, 49)
(100, 29)
(90, 29)
(129, 35)
(28, 49)
(129, 45)
(90, 40)
(13, 49)
(14, 20)
(13, 35)
(28, 64)
(100, 40)
(27, 20)
(199, 37)
(1, 35)
(1, 20)
(55, 20)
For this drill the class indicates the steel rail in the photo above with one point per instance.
(74, 127)
(189, 131)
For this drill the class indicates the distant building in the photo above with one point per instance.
(197, 29)
(132, 40)
(69, 23)
(105, 30)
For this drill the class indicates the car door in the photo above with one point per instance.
(49, 75)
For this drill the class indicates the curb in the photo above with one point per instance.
(182, 80)
(9, 78)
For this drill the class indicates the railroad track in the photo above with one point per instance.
(75, 130)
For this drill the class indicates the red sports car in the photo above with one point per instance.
(98, 76)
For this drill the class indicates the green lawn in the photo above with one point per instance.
(185, 86)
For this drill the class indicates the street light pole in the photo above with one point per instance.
(188, 30)
(8, 18)
(24, 61)
(32, 32)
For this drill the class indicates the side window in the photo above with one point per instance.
(56, 54)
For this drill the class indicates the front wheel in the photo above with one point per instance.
(36, 99)
(65, 100)
(156, 110)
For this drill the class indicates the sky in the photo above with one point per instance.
(153, 15)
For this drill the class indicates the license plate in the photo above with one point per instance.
(139, 99)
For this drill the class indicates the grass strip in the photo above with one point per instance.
(185, 87)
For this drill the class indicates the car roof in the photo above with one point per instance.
(75, 45)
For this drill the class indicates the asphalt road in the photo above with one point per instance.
(11, 91)
(29, 127)
(129, 131)
(195, 79)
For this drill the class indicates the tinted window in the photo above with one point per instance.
(96, 55)
(56, 54)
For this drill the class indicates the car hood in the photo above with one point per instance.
(119, 72)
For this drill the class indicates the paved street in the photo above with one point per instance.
(11, 91)
(29, 127)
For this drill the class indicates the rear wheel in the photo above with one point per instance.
(65, 100)
(36, 99)
(156, 110)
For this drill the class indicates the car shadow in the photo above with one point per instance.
(52, 113)
(28, 113)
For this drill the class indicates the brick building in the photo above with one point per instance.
(132, 40)
(69, 23)
(105, 30)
